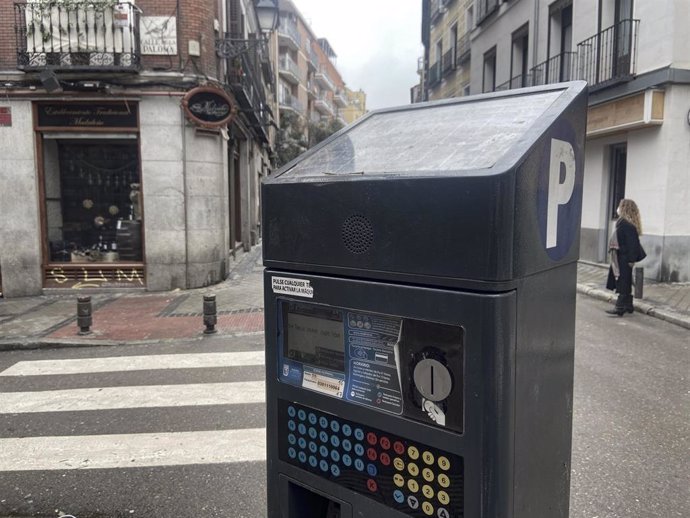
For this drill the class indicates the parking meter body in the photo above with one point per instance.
(420, 311)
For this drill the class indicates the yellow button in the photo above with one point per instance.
(413, 469)
(399, 464)
(427, 508)
(413, 486)
(428, 474)
(443, 480)
(398, 480)
(428, 491)
(413, 452)
(443, 463)
(443, 497)
(428, 457)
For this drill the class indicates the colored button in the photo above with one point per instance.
(302, 415)
(313, 447)
(428, 457)
(312, 418)
(359, 449)
(412, 485)
(371, 469)
(372, 485)
(323, 422)
(412, 469)
(292, 426)
(335, 455)
(359, 464)
(292, 453)
(347, 460)
(347, 445)
(347, 430)
(323, 465)
(359, 434)
(443, 497)
(323, 451)
(399, 464)
(291, 411)
(371, 454)
(302, 429)
(443, 480)
(335, 426)
(385, 459)
(443, 463)
(323, 436)
(302, 442)
(427, 491)
(313, 433)
(313, 462)
(398, 496)
(443, 513)
(385, 443)
(335, 441)
(335, 470)
(413, 452)
(427, 508)
(398, 447)
(398, 480)
(292, 439)
(372, 439)
(302, 457)
(428, 474)
(412, 502)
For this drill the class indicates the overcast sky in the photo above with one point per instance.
(377, 43)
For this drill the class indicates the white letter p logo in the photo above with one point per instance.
(562, 153)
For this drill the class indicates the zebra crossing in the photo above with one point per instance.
(149, 411)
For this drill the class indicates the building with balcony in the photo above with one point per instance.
(133, 137)
(633, 55)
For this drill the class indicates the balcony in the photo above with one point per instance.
(559, 68)
(609, 57)
(448, 62)
(312, 91)
(290, 102)
(324, 106)
(323, 79)
(463, 53)
(434, 74)
(519, 81)
(90, 36)
(289, 36)
(289, 70)
(340, 98)
(313, 60)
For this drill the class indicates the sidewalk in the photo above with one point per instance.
(136, 318)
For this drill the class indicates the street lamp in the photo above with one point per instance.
(267, 15)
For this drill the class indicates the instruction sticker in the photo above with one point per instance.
(290, 286)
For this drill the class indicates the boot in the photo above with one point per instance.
(616, 311)
(629, 304)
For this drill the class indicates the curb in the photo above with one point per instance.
(639, 305)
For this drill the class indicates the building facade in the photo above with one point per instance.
(634, 56)
(133, 143)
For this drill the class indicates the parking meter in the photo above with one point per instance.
(420, 311)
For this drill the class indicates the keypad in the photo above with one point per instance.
(408, 476)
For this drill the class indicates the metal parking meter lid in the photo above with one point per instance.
(477, 192)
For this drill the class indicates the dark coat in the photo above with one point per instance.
(629, 251)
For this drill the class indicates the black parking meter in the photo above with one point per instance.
(420, 312)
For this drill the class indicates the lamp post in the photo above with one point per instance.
(267, 14)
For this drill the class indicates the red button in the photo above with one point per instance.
(372, 439)
(399, 447)
(372, 485)
(385, 459)
(385, 443)
(371, 454)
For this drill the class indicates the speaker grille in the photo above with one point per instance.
(357, 234)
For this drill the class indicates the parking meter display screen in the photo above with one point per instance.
(315, 336)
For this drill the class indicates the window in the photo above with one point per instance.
(619, 155)
(469, 19)
(519, 58)
(489, 75)
(562, 62)
(485, 8)
(454, 41)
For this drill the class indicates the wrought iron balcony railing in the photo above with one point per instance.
(289, 30)
(434, 74)
(561, 67)
(93, 35)
(518, 81)
(463, 50)
(448, 62)
(609, 56)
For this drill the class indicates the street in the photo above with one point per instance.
(166, 431)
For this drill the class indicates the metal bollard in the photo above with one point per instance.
(210, 314)
(84, 318)
(638, 281)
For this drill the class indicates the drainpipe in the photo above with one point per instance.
(535, 48)
(184, 190)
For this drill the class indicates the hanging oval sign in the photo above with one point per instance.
(209, 107)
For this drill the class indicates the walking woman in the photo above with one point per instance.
(625, 250)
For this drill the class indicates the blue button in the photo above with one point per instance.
(323, 436)
(335, 441)
(292, 439)
(302, 415)
(302, 457)
(359, 449)
(302, 429)
(347, 460)
(335, 455)
(291, 411)
(371, 469)
(313, 433)
(335, 470)
(359, 465)
(347, 445)
(323, 465)
(323, 422)
(359, 434)
(302, 442)
(398, 496)
(292, 453)
(313, 447)
(323, 451)
(312, 418)
(347, 430)
(335, 426)
(292, 426)
(313, 462)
